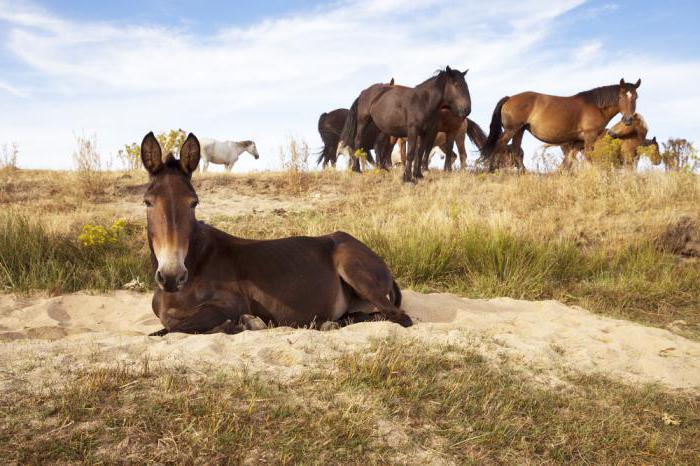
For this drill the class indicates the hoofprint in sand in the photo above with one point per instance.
(43, 338)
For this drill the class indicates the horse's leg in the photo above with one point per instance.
(462, 151)
(412, 141)
(369, 277)
(427, 141)
(402, 150)
(450, 156)
(205, 166)
(517, 143)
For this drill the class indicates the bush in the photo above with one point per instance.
(170, 141)
(607, 153)
(680, 155)
(8, 156)
(90, 166)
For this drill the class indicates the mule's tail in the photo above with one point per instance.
(495, 130)
(395, 296)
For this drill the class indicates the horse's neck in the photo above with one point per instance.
(434, 93)
(609, 112)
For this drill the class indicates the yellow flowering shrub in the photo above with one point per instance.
(98, 235)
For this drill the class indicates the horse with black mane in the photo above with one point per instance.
(558, 120)
(410, 112)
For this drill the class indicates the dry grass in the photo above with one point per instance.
(396, 403)
(601, 239)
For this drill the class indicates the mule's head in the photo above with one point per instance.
(627, 99)
(170, 203)
(456, 94)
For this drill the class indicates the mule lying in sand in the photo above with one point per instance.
(209, 281)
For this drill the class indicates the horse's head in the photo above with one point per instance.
(456, 94)
(252, 149)
(655, 155)
(170, 203)
(629, 128)
(627, 99)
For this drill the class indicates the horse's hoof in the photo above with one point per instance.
(159, 333)
(404, 320)
(329, 325)
(251, 322)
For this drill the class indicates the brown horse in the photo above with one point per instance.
(559, 120)
(633, 136)
(506, 157)
(330, 126)
(209, 281)
(411, 112)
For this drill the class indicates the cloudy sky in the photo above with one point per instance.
(265, 70)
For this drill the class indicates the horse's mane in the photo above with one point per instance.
(642, 121)
(603, 96)
(439, 77)
(247, 142)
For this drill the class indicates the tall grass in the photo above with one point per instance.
(32, 258)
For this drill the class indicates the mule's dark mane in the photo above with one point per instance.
(171, 161)
(247, 142)
(604, 96)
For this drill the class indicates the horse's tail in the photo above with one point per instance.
(495, 130)
(475, 133)
(395, 294)
(321, 131)
(350, 128)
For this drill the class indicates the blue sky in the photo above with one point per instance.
(266, 70)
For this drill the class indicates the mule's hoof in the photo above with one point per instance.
(251, 322)
(404, 320)
(329, 325)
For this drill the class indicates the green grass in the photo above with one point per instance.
(32, 258)
(634, 281)
(398, 402)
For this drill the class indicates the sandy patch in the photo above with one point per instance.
(41, 338)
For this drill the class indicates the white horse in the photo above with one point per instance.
(224, 152)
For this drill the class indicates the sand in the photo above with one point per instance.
(43, 338)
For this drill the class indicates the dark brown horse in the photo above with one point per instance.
(330, 125)
(411, 112)
(209, 281)
(559, 120)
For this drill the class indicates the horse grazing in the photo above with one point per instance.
(225, 152)
(411, 112)
(209, 281)
(632, 137)
(558, 120)
(506, 157)
(330, 125)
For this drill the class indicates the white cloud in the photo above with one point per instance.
(274, 78)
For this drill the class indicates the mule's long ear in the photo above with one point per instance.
(638, 83)
(464, 73)
(189, 154)
(151, 155)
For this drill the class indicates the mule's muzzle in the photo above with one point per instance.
(171, 281)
